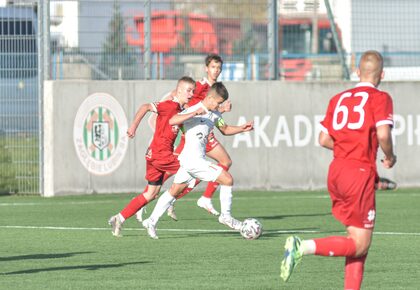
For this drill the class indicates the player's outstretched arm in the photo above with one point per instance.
(180, 118)
(232, 130)
(385, 141)
(141, 112)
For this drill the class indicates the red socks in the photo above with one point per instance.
(354, 273)
(343, 246)
(212, 185)
(335, 246)
(133, 206)
(138, 202)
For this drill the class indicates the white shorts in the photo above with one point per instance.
(203, 170)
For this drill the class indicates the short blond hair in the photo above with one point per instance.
(371, 64)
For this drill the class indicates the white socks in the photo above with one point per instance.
(225, 199)
(122, 219)
(309, 247)
(161, 206)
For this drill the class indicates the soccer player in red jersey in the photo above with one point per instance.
(356, 123)
(160, 159)
(198, 121)
(214, 149)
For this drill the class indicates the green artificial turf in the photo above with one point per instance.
(65, 243)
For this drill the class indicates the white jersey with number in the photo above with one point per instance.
(196, 130)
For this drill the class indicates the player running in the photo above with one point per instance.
(356, 123)
(161, 162)
(214, 149)
(199, 121)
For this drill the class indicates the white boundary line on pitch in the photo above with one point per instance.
(55, 203)
(191, 230)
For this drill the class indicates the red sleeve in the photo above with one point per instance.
(164, 108)
(199, 93)
(198, 89)
(326, 123)
(382, 107)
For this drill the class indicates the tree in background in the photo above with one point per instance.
(118, 58)
(249, 42)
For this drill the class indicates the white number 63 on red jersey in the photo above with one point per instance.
(345, 111)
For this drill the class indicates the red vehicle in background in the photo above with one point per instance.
(172, 31)
(177, 32)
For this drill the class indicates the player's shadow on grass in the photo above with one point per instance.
(279, 217)
(42, 256)
(186, 235)
(300, 231)
(93, 267)
(5, 193)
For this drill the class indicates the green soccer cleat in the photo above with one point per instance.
(292, 256)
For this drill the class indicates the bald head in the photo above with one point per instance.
(370, 67)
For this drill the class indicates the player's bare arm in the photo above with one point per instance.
(131, 132)
(385, 141)
(232, 130)
(325, 140)
(178, 119)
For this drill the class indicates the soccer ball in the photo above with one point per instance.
(251, 229)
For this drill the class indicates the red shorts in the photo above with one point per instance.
(211, 143)
(352, 190)
(156, 166)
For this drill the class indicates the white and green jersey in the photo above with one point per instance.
(196, 130)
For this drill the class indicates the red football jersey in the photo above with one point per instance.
(351, 120)
(165, 134)
(200, 92)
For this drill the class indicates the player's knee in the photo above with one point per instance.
(177, 188)
(361, 252)
(230, 182)
(225, 178)
(362, 248)
(227, 163)
(229, 179)
(150, 195)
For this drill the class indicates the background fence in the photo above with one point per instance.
(19, 102)
(109, 41)
(287, 40)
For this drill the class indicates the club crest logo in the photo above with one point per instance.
(99, 133)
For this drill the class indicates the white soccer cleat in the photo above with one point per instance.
(231, 222)
(171, 213)
(151, 229)
(116, 226)
(206, 203)
(139, 214)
